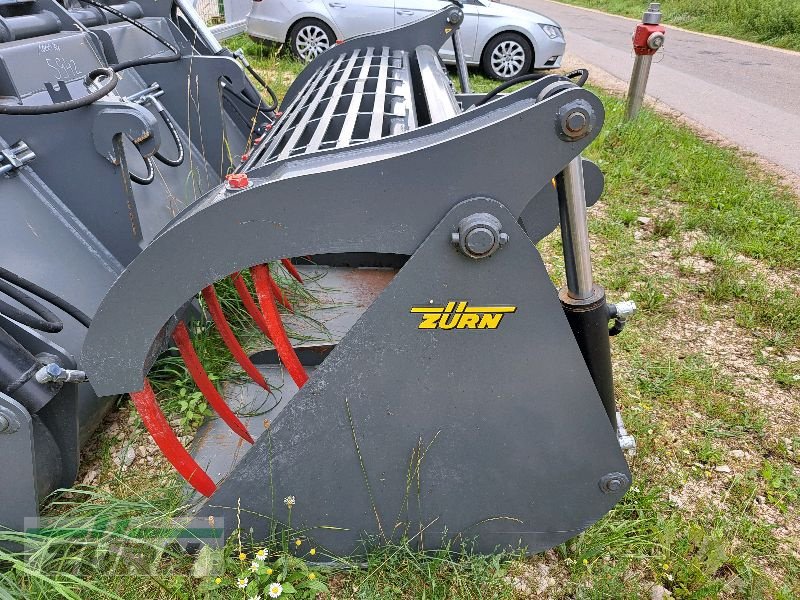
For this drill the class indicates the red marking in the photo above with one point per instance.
(340, 41)
(167, 441)
(249, 304)
(257, 141)
(278, 294)
(245, 157)
(206, 386)
(292, 270)
(277, 333)
(210, 296)
(278, 113)
(237, 181)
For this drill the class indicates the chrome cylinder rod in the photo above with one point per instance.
(461, 63)
(575, 230)
(199, 26)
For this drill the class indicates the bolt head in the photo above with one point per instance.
(53, 369)
(455, 16)
(613, 482)
(576, 121)
(479, 241)
(4, 424)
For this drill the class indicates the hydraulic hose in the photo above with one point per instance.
(581, 74)
(176, 55)
(48, 109)
(46, 295)
(171, 162)
(149, 177)
(264, 110)
(273, 97)
(42, 319)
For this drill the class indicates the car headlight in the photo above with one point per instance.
(551, 31)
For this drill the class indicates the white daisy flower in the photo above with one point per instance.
(254, 566)
(256, 597)
(242, 582)
(275, 590)
(289, 501)
(261, 555)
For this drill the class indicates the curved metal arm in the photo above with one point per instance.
(382, 197)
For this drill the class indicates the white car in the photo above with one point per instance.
(505, 41)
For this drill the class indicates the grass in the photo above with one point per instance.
(703, 374)
(771, 22)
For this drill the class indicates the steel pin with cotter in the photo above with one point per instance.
(584, 301)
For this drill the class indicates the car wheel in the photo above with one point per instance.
(310, 38)
(506, 56)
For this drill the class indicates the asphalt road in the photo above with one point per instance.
(748, 94)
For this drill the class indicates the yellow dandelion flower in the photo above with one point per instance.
(665, 566)
(269, 571)
(313, 551)
(312, 576)
(242, 556)
(218, 580)
(585, 561)
(298, 541)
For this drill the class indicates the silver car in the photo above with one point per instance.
(505, 41)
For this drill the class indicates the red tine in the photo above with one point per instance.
(249, 304)
(210, 296)
(292, 269)
(198, 373)
(167, 441)
(277, 333)
(277, 293)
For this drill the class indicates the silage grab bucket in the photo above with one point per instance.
(461, 395)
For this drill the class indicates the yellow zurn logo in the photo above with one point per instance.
(459, 315)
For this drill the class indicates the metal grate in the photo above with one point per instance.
(353, 98)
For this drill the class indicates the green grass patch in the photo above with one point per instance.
(772, 22)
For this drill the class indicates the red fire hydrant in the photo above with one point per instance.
(647, 40)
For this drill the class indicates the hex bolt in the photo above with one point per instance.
(479, 240)
(613, 482)
(576, 121)
(455, 16)
(479, 235)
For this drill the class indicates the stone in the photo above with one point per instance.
(659, 592)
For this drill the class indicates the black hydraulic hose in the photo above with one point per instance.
(264, 110)
(582, 74)
(42, 319)
(273, 97)
(171, 162)
(45, 295)
(48, 109)
(147, 179)
(176, 55)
